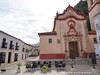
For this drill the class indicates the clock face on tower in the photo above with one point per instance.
(71, 24)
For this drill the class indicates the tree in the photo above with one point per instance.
(82, 7)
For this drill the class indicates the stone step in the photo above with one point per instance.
(78, 61)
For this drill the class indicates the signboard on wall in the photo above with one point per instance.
(98, 26)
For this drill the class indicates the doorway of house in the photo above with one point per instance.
(9, 57)
(73, 47)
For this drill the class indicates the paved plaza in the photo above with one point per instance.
(80, 69)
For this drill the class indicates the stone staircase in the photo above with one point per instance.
(78, 61)
(69, 61)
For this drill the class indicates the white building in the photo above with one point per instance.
(94, 15)
(97, 26)
(13, 49)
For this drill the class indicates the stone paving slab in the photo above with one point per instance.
(59, 73)
(80, 69)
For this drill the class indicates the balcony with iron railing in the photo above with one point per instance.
(4, 45)
(16, 47)
(23, 49)
(27, 50)
(11, 46)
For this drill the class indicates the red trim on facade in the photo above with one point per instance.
(72, 31)
(52, 56)
(69, 8)
(66, 19)
(71, 21)
(72, 35)
(48, 33)
(71, 17)
(92, 33)
(94, 6)
(73, 9)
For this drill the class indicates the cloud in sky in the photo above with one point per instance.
(24, 19)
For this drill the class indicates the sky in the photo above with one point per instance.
(24, 19)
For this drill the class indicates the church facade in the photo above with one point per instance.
(69, 37)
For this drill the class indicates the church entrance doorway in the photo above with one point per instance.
(73, 48)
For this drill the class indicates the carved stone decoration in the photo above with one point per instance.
(72, 38)
(72, 32)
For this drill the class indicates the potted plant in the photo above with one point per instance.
(82, 51)
(72, 68)
(44, 69)
(93, 68)
(18, 69)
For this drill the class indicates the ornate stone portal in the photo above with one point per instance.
(72, 40)
(73, 45)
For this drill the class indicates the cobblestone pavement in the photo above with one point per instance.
(80, 69)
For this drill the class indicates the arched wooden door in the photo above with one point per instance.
(73, 47)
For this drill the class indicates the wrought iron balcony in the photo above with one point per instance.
(27, 50)
(4, 45)
(23, 49)
(11, 46)
(16, 47)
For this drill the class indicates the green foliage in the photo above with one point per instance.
(88, 25)
(82, 7)
(72, 66)
(45, 67)
(93, 66)
(19, 65)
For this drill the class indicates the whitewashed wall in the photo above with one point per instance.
(97, 50)
(21, 45)
(97, 26)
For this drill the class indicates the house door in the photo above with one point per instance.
(9, 57)
(73, 47)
